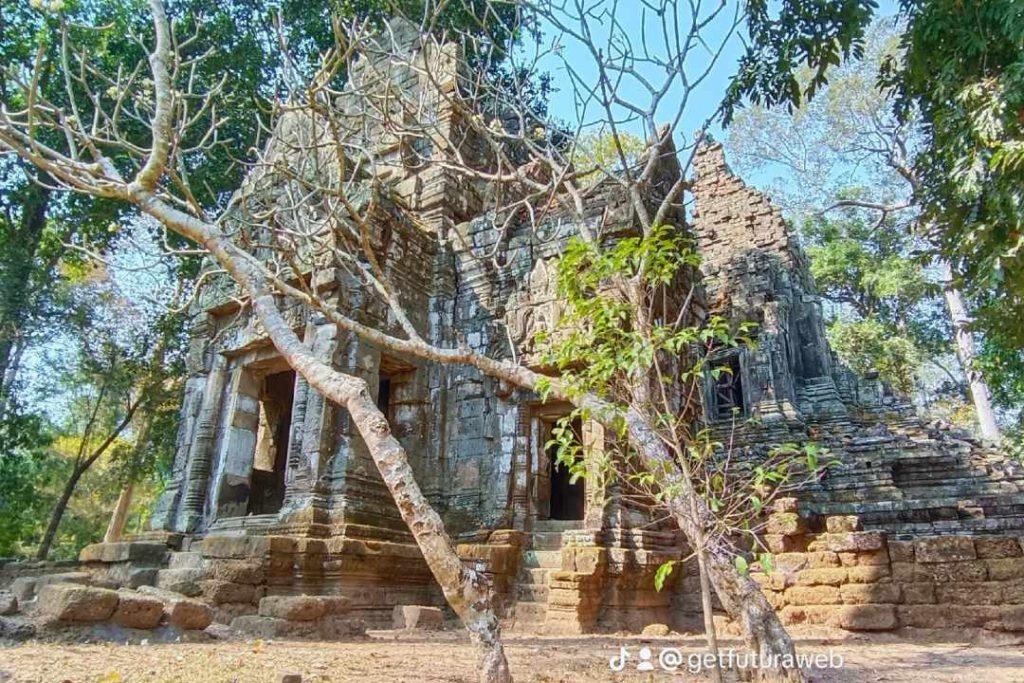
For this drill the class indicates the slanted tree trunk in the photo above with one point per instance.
(709, 617)
(118, 519)
(58, 513)
(965, 351)
(468, 591)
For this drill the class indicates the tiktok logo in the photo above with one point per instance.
(617, 662)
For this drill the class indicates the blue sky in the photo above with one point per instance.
(703, 100)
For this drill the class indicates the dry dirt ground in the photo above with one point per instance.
(427, 658)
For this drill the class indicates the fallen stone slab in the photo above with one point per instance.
(25, 588)
(302, 607)
(417, 616)
(76, 603)
(8, 604)
(186, 613)
(135, 610)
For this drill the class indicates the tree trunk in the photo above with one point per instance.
(120, 515)
(739, 594)
(965, 351)
(468, 591)
(709, 617)
(58, 513)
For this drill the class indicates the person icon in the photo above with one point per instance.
(645, 660)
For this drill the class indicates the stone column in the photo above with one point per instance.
(234, 461)
(593, 449)
(200, 452)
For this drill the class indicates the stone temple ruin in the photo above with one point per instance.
(274, 494)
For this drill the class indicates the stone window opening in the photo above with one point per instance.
(726, 387)
(267, 485)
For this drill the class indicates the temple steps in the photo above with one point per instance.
(541, 556)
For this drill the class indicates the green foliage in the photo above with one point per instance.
(962, 73)
(605, 154)
(792, 36)
(26, 468)
(870, 346)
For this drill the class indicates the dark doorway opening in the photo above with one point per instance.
(727, 396)
(266, 492)
(568, 498)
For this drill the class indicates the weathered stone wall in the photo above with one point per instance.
(860, 580)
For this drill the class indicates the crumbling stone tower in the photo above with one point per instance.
(272, 487)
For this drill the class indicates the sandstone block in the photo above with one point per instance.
(856, 541)
(656, 630)
(786, 524)
(136, 610)
(219, 592)
(826, 576)
(8, 604)
(124, 551)
(74, 602)
(813, 595)
(918, 593)
(837, 524)
(778, 543)
(980, 593)
(867, 617)
(788, 504)
(1011, 619)
(235, 571)
(273, 627)
(188, 614)
(417, 616)
(944, 549)
(944, 572)
(810, 615)
(25, 588)
(865, 558)
(823, 558)
(870, 593)
(997, 547)
(947, 616)
(293, 607)
(335, 626)
(868, 573)
(901, 551)
(1005, 569)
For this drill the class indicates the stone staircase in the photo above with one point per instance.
(184, 571)
(910, 481)
(542, 554)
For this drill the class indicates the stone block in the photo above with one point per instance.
(25, 588)
(918, 593)
(1011, 619)
(947, 616)
(856, 541)
(809, 615)
(335, 626)
(188, 614)
(901, 551)
(656, 630)
(1005, 568)
(944, 549)
(944, 572)
(74, 602)
(778, 543)
(868, 573)
(238, 571)
(137, 610)
(823, 558)
(867, 617)
(8, 604)
(788, 504)
(417, 616)
(786, 524)
(813, 595)
(273, 627)
(977, 593)
(864, 558)
(293, 607)
(997, 547)
(837, 524)
(870, 593)
(219, 592)
(826, 576)
(125, 551)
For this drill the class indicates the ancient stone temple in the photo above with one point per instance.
(273, 492)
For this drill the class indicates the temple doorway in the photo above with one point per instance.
(558, 496)
(266, 493)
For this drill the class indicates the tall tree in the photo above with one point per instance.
(841, 165)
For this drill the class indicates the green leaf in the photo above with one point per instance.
(663, 573)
